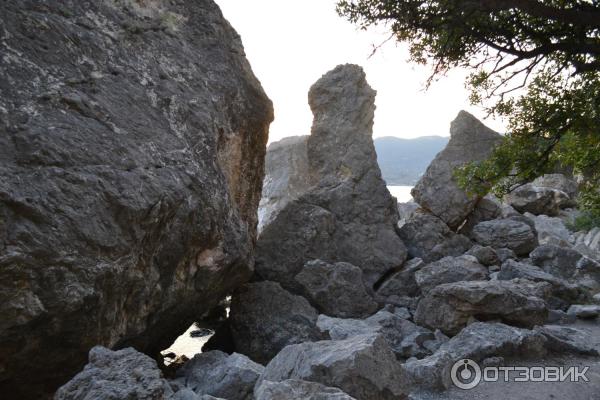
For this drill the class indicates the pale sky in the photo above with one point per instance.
(290, 44)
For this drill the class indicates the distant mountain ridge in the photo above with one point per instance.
(403, 161)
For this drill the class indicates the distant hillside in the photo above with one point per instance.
(403, 161)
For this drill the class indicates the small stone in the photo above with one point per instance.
(584, 311)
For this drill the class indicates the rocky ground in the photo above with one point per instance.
(132, 144)
(354, 297)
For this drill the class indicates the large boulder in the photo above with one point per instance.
(450, 269)
(363, 366)
(477, 342)
(404, 337)
(286, 176)
(560, 182)
(566, 263)
(437, 191)
(218, 374)
(538, 200)
(450, 307)
(348, 214)
(123, 374)
(550, 230)
(264, 318)
(429, 238)
(336, 289)
(562, 289)
(132, 143)
(295, 389)
(565, 339)
(588, 243)
(511, 233)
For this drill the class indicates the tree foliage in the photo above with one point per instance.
(535, 63)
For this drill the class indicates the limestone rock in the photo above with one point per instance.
(550, 230)
(363, 366)
(294, 389)
(584, 311)
(487, 208)
(562, 289)
(565, 339)
(437, 190)
(217, 374)
(429, 238)
(558, 182)
(448, 307)
(336, 289)
(510, 233)
(122, 374)
(406, 211)
(556, 260)
(450, 269)
(401, 283)
(486, 255)
(264, 318)
(477, 342)
(505, 254)
(538, 200)
(286, 176)
(404, 337)
(348, 215)
(588, 243)
(132, 145)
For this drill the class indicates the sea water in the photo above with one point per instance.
(402, 193)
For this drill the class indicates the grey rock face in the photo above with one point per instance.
(538, 200)
(560, 288)
(401, 283)
(550, 230)
(363, 366)
(348, 215)
(448, 307)
(588, 243)
(477, 342)
(406, 211)
(565, 339)
(217, 374)
(509, 233)
(294, 389)
(404, 337)
(264, 318)
(123, 374)
(487, 208)
(486, 255)
(132, 146)
(584, 311)
(437, 190)
(450, 269)
(558, 261)
(286, 176)
(336, 289)
(505, 254)
(429, 238)
(558, 182)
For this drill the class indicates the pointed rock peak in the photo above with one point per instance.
(467, 125)
(341, 146)
(345, 83)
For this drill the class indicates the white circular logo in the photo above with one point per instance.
(465, 374)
